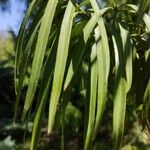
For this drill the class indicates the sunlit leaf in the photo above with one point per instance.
(93, 93)
(92, 22)
(120, 93)
(127, 49)
(62, 53)
(39, 53)
(103, 59)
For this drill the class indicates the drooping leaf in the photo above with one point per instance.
(120, 92)
(93, 93)
(103, 59)
(60, 64)
(20, 40)
(92, 22)
(42, 98)
(23, 69)
(146, 106)
(143, 6)
(146, 19)
(39, 53)
(145, 16)
(126, 41)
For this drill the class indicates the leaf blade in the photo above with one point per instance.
(60, 64)
(39, 53)
(93, 93)
(120, 92)
(92, 22)
(103, 58)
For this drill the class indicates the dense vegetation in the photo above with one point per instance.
(85, 65)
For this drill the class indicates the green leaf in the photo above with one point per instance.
(69, 75)
(23, 69)
(146, 106)
(42, 99)
(60, 64)
(72, 72)
(127, 48)
(103, 59)
(120, 92)
(39, 53)
(20, 40)
(143, 6)
(146, 19)
(92, 22)
(93, 93)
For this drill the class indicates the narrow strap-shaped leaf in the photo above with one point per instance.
(43, 95)
(143, 6)
(92, 105)
(39, 53)
(84, 3)
(119, 93)
(48, 68)
(23, 70)
(39, 116)
(92, 22)
(119, 113)
(19, 47)
(77, 53)
(72, 74)
(60, 64)
(69, 75)
(146, 18)
(103, 60)
(22, 30)
(102, 82)
(27, 52)
(76, 32)
(127, 54)
(146, 106)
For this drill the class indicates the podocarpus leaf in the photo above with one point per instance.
(78, 56)
(126, 41)
(39, 115)
(19, 46)
(92, 22)
(43, 95)
(74, 68)
(103, 60)
(146, 17)
(69, 75)
(146, 106)
(73, 72)
(120, 92)
(87, 32)
(122, 79)
(23, 69)
(92, 103)
(39, 53)
(60, 64)
(144, 5)
(27, 51)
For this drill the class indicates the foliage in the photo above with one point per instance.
(101, 50)
(6, 73)
(6, 50)
(7, 144)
